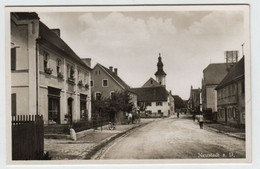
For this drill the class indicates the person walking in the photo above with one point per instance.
(201, 120)
(130, 118)
(178, 114)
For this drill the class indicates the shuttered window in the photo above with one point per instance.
(13, 102)
(13, 58)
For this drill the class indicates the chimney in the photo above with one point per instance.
(87, 61)
(115, 71)
(111, 68)
(56, 31)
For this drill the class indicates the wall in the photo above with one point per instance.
(23, 38)
(211, 97)
(97, 78)
(231, 108)
(154, 109)
(67, 89)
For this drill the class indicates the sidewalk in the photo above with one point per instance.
(238, 133)
(86, 146)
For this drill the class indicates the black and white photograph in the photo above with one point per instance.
(128, 84)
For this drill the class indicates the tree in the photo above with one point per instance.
(108, 107)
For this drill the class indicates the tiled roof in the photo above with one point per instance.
(117, 78)
(151, 93)
(236, 73)
(214, 73)
(52, 38)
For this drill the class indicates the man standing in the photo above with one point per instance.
(201, 120)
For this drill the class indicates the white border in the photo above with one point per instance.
(255, 13)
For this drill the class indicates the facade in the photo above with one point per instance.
(213, 74)
(194, 102)
(153, 95)
(231, 96)
(47, 77)
(105, 82)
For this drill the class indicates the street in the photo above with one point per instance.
(173, 138)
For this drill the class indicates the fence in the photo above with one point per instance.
(27, 137)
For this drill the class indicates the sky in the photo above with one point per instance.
(131, 41)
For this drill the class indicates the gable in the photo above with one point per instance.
(151, 83)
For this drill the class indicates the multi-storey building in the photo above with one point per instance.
(231, 96)
(47, 77)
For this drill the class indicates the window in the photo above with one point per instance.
(53, 105)
(158, 103)
(98, 96)
(99, 72)
(58, 66)
(13, 102)
(86, 78)
(92, 83)
(46, 60)
(96, 72)
(148, 104)
(112, 95)
(151, 81)
(104, 83)
(72, 72)
(13, 58)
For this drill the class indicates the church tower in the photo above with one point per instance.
(160, 74)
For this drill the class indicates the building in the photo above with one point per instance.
(105, 82)
(213, 74)
(47, 77)
(153, 95)
(194, 102)
(231, 96)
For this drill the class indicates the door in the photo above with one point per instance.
(70, 100)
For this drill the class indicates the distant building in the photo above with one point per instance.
(231, 96)
(213, 74)
(154, 96)
(105, 82)
(194, 101)
(47, 77)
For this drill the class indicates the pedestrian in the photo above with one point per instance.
(193, 116)
(178, 114)
(201, 121)
(130, 118)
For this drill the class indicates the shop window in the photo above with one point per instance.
(53, 105)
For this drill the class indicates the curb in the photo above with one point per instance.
(93, 150)
(222, 132)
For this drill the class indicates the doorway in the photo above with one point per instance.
(70, 117)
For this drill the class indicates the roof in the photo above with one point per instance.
(236, 73)
(151, 83)
(214, 73)
(151, 93)
(116, 78)
(48, 35)
(26, 15)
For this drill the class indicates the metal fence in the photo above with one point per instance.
(27, 137)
